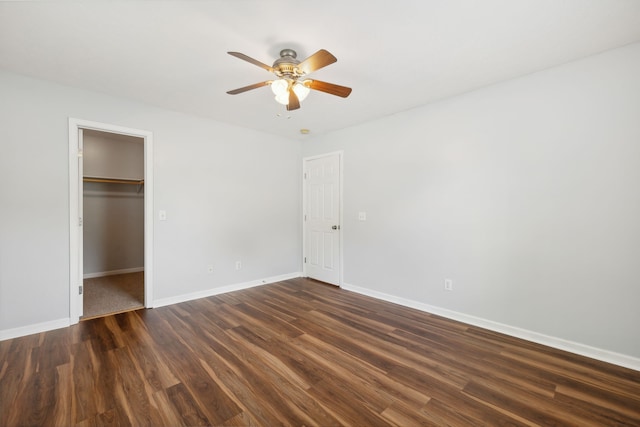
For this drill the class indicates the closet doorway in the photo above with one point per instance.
(110, 218)
(113, 223)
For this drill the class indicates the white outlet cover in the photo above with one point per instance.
(362, 216)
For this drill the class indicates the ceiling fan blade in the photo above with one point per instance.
(318, 60)
(246, 88)
(251, 60)
(294, 102)
(331, 88)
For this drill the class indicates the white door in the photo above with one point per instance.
(322, 218)
(80, 272)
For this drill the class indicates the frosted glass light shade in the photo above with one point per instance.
(279, 87)
(283, 98)
(301, 91)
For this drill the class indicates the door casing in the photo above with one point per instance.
(75, 228)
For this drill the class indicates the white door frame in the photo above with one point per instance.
(75, 236)
(304, 212)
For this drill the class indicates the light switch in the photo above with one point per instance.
(362, 216)
(162, 215)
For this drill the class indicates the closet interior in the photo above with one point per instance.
(113, 223)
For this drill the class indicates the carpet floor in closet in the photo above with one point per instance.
(113, 294)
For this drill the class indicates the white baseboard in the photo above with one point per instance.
(222, 290)
(559, 343)
(33, 329)
(112, 272)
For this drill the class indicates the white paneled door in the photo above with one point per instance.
(322, 218)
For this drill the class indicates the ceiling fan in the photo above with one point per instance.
(291, 87)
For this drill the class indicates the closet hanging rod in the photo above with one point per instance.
(113, 180)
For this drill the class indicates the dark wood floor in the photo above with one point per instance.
(301, 353)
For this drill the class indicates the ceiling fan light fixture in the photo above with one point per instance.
(283, 98)
(301, 90)
(280, 87)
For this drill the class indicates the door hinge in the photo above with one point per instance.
(305, 175)
(80, 222)
(305, 260)
(305, 217)
(79, 290)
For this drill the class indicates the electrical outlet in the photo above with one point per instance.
(210, 269)
(448, 284)
(238, 265)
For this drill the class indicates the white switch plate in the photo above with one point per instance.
(362, 216)
(162, 215)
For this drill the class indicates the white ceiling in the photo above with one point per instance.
(396, 55)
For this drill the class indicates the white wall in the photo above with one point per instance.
(109, 155)
(230, 194)
(113, 228)
(525, 193)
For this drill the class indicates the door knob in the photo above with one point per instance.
(335, 227)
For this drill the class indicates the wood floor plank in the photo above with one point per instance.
(491, 389)
(345, 375)
(596, 397)
(340, 401)
(64, 405)
(585, 373)
(300, 352)
(242, 394)
(186, 406)
(86, 405)
(466, 411)
(602, 413)
(166, 410)
(147, 360)
(133, 392)
(214, 404)
(226, 364)
(264, 372)
(382, 343)
(399, 415)
(357, 350)
(343, 370)
(293, 360)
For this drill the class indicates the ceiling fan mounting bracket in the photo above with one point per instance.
(288, 52)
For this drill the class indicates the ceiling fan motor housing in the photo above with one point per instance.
(287, 64)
